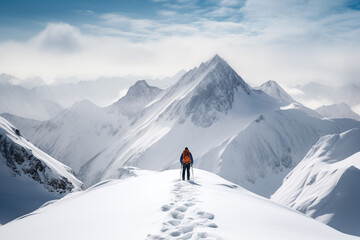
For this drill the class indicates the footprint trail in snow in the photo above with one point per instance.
(184, 218)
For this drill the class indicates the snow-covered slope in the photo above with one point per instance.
(325, 184)
(26, 103)
(206, 110)
(77, 134)
(274, 90)
(81, 132)
(339, 110)
(28, 176)
(261, 155)
(136, 98)
(205, 107)
(159, 206)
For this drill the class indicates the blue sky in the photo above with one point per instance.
(20, 19)
(290, 41)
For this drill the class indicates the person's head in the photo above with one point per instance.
(186, 148)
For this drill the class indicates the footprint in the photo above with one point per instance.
(207, 215)
(188, 204)
(177, 215)
(154, 237)
(175, 234)
(165, 208)
(186, 236)
(212, 225)
(186, 229)
(174, 222)
(181, 208)
(202, 234)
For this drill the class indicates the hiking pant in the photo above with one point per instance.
(187, 167)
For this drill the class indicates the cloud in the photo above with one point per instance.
(295, 92)
(59, 37)
(166, 13)
(292, 42)
(221, 12)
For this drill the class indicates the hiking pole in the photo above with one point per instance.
(192, 170)
(180, 171)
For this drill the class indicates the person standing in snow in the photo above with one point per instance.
(186, 161)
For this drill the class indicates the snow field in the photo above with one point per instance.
(159, 206)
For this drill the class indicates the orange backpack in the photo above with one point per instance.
(186, 156)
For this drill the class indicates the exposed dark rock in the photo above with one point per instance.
(22, 161)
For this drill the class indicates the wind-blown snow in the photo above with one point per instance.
(324, 185)
(159, 206)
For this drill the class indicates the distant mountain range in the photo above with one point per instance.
(240, 133)
(46, 101)
(348, 93)
(339, 110)
(253, 137)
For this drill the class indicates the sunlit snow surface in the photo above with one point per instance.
(157, 205)
(242, 134)
(325, 184)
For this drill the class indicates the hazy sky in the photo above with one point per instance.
(290, 41)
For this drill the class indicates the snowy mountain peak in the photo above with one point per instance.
(140, 89)
(81, 108)
(137, 97)
(215, 62)
(209, 90)
(338, 110)
(274, 90)
(216, 59)
(215, 92)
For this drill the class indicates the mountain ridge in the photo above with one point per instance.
(28, 176)
(323, 186)
(185, 114)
